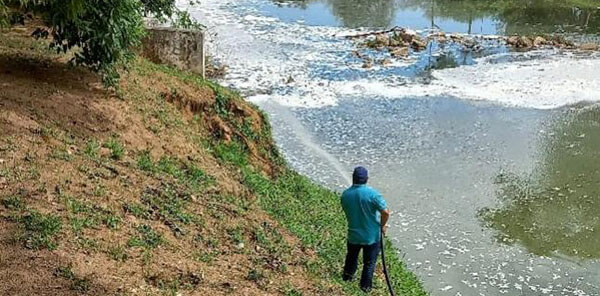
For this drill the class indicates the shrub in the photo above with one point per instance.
(104, 32)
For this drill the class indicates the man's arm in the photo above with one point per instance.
(385, 215)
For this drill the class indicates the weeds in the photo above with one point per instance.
(84, 214)
(117, 150)
(144, 162)
(99, 191)
(147, 238)
(61, 153)
(236, 235)
(289, 290)
(78, 284)
(78, 224)
(205, 256)
(255, 275)
(40, 230)
(13, 203)
(118, 253)
(91, 149)
(87, 243)
(186, 173)
(233, 152)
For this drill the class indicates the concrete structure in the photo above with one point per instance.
(181, 48)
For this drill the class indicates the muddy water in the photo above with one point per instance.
(489, 160)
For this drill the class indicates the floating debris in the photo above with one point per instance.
(399, 43)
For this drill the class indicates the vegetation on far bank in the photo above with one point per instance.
(173, 187)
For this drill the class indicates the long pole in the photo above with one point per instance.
(385, 272)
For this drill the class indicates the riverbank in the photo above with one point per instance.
(172, 185)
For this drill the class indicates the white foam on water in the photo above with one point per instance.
(542, 84)
(297, 65)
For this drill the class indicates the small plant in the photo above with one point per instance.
(195, 177)
(144, 162)
(78, 284)
(236, 235)
(13, 203)
(169, 166)
(289, 290)
(221, 102)
(87, 243)
(205, 256)
(255, 275)
(112, 221)
(76, 206)
(61, 154)
(116, 148)
(118, 253)
(166, 204)
(78, 224)
(99, 191)
(40, 230)
(138, 210)
(91, 149)
(147, 238)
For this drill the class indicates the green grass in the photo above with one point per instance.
(236, 235)
(232, 152)
(91, 149)
(84, 214)
(61, 153)
(146, 238)
(144, 162)
(117, 150)
(40, 230)
(78, 284)
(186, 173)
(205, 256)
(313, 214)
(166, 204)
(118, 253)
(13, 202)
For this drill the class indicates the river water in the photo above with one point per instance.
(490, 160)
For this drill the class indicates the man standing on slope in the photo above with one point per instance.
(367, 214)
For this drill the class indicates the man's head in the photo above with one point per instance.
(360, 175)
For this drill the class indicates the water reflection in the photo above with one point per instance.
(556, 210)
(468, 16)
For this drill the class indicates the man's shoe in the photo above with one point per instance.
(366, 289)
(347, 278)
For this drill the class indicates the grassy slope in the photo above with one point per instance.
(175, 187)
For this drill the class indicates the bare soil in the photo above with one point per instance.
(50, 112)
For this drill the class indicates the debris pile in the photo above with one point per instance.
(399, 43)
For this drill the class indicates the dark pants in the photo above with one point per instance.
(370, 253)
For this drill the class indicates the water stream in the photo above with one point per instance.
(489, 160)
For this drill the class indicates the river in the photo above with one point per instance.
(490, 160)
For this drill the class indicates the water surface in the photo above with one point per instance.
(489, 160)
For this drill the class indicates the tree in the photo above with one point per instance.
(103, 33)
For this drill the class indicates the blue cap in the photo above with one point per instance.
(360, 175)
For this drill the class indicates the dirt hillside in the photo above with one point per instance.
(133, 192)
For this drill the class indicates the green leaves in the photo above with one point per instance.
(103, 32)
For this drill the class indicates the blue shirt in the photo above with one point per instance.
(361, 205)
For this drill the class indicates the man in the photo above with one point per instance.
(367, 215)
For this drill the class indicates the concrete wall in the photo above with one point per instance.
(183, 49)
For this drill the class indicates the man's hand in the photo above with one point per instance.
(384, 229)
(385, 215)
